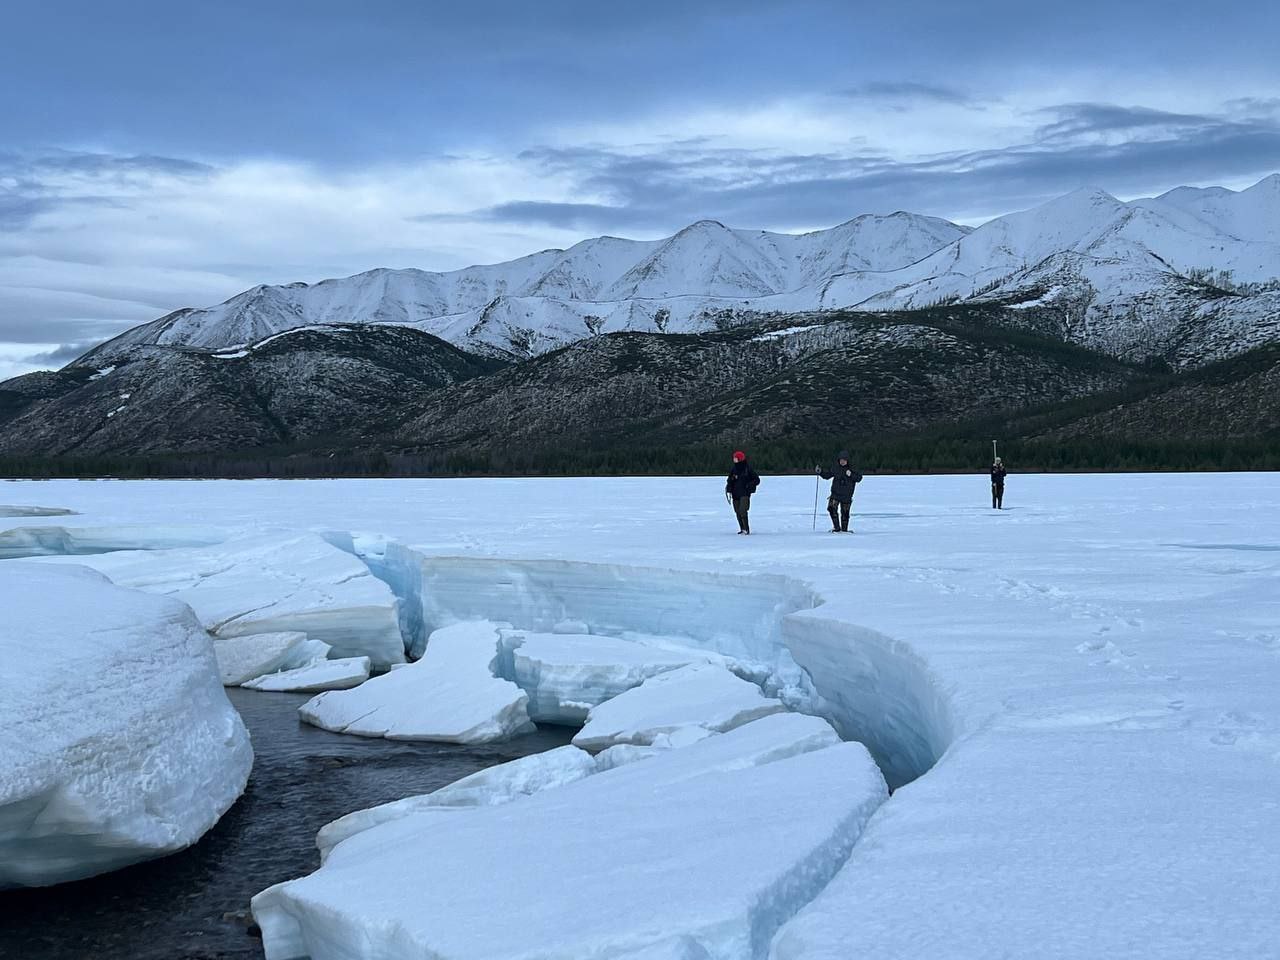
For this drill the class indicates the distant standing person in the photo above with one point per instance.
(844, 479)
(998, 473)
(740, 486)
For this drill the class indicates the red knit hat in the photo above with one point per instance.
(739, 455)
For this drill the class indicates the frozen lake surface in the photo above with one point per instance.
(1077, 697)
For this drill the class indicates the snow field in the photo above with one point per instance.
(1075, 697)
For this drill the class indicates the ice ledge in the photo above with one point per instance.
(872, 688)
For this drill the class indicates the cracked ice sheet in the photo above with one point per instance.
(493, 787)
(751, 825)
(675, 707)
(763, 741)
(567, 674)
(118, 743)
(1109, 615)
(772, 738)
(267, 584)
(450, 695)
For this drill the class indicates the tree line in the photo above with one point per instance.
(906, 455)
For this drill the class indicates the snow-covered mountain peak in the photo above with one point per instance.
(1185, 194)
(704, 226)
(1131, 255)
(1085, 209)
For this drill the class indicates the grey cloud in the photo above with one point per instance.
(101, 164)
(45, 329)
(1080, 119)
(902, 93)
(62, 354)
(564, 215)
(1143, 148)
(32, 185)
(18, 210)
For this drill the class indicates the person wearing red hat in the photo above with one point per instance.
(740, 486)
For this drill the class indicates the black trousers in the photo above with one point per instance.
(997, 496)
(839, 511)
(740, 507)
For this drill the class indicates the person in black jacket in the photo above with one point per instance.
(998, 473)
(844, 478)
(740, 486)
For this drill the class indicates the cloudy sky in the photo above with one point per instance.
(155, 155)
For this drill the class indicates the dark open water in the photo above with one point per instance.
(194, 905)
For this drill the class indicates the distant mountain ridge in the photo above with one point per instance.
(1114, 273)
(554, 297)
(1191, 276)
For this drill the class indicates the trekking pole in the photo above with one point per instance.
(815, 503)
(993, 451)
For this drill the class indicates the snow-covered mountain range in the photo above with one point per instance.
(1189, 276)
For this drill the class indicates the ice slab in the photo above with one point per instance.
(676, 707)
(271, 583)
(86, 541)
(341, 674)
(567, 674)
(620, 754)
(572, 872)
(245, 658)
(118, 743)
(450, 695)
(504, 783)
(767, 740)
(772, 738)
(306, 653)
(15, 510)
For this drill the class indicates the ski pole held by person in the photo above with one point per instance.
(844, 480)
(998, 473)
